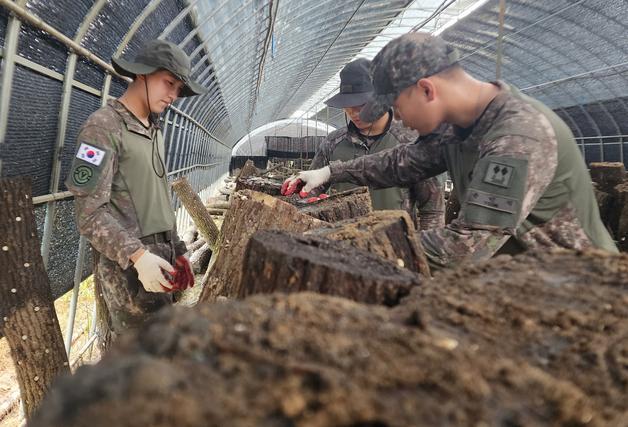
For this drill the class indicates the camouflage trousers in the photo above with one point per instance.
(129, 305)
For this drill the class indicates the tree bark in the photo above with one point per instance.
(29, 321)
(607, 175)
(218, 205)
(340, 206)
(195, 245)
(452, 207)
(389, 234)
(276, 261)
(250, 211)
(261, 184)
(200, 258)
(621, 209)
(204, 222)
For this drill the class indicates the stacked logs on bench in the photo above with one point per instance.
(611, 190)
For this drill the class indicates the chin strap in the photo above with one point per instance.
(154, 131)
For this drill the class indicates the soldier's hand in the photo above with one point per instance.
(310, 180)
(148, 267)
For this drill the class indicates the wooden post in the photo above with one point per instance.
(204, 222)
(250, 211)
(276, 261)
(389, 234)
(607, 175)
(29, 321)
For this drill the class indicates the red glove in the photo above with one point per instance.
(183, 276)
(290, 187)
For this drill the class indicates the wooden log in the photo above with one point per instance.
(218, 205)
(276, 261)
(261, 184)
(190, 235)
(607, 175)
(247, 170)
(28, 317)
(621, 210)
(200, 258)
(452, 207)
(250, 211)
(195, 245)
(340, 206)
(192, 203)
(389, 234)
(219, 212)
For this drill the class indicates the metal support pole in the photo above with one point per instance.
(56, 160)
(8, 69)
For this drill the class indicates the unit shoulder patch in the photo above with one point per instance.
(499, 174)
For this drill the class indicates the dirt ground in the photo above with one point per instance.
(305, 360)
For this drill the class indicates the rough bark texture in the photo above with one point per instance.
(28, 317)
(247, 170)
(203, 221)
(338, 207)
(200, 258)
(389, 234)
(250, 211)
(452, 207)
(607, 175)
(621, 212)
(563, 312)
(261, 184)
(276, 261)
(195, 246)
(304, 360)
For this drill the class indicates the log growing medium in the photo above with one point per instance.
(261, 184)
(27, 316)
(607, 175)
(563, 312)
(250, 211)
(192, 203)
(276, 261)
(305, 360)
(389, 234)
(340, 206)
(621, 214)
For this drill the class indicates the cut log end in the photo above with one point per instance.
(278, 261)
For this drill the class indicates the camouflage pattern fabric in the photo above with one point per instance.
(428, 196)
(129, 305)
(510, 128)
(105, 212)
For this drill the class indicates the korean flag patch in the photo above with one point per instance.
(90, 154)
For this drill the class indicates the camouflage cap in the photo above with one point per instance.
(401, 63)
(161, 55)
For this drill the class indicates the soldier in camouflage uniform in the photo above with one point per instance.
(520, 177)
(359, 138)
(122, 197)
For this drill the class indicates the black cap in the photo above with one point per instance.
(160, 55)
(355, 85)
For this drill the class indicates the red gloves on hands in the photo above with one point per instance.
(289, 188)
(183, 276)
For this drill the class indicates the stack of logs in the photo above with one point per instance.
(539, 339)
(611, 190)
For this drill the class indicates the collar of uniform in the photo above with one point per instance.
(132, 123)
(486, 118)
(354, 135)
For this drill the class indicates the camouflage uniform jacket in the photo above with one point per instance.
(427, 195)
(105, 211)
(517, 172)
